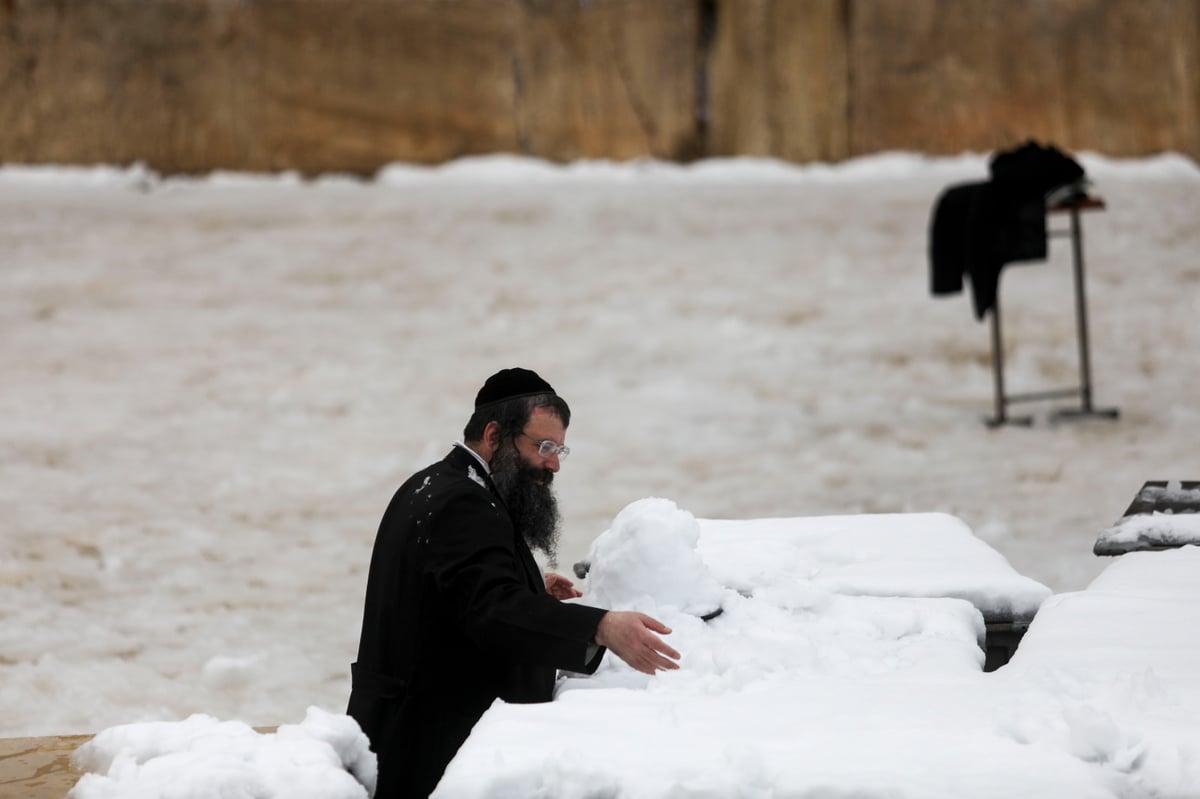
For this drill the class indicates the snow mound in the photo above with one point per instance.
(884, 554)
(648, 560)
(324, 757)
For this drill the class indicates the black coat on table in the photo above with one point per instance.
(456, 616)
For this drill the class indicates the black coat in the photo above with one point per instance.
(977, 228)
(456, 616)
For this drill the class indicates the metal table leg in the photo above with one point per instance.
(1081, 332)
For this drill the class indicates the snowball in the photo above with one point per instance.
(648, 559)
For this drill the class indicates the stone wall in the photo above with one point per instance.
(1117, 77)
(349, 85)
(779, 80)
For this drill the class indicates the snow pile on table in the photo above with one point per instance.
(648, 559)
(887, 554)
(1114, 668)
(1140, 614)
(323, 757)
(798, 690)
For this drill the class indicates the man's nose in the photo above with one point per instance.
(552, 462)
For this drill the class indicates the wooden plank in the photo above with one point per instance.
(38, 768)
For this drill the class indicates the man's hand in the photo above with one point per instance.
(560, 587)
(631, 636)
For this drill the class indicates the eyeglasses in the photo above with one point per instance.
(546, 447)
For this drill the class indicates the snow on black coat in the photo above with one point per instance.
(456, 616)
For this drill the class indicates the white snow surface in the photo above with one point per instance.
(796, 691)
(1118, 661)
(324, 757)
(899, 554)
(1138, 614)
(648, 559)
(213, 386)
(1156, 529)
(1176, 526)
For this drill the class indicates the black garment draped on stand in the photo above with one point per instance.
(978, 228)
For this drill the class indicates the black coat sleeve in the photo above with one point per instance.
(475, 564)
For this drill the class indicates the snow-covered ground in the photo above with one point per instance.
(212, 387)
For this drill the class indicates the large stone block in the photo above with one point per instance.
(778, 78)
(328, 85)
(116, 81)
(944, 76)
(608, 79)
(351, 86)
(192, 85)
(331, 85)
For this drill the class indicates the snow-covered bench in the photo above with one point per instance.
(1163, 515)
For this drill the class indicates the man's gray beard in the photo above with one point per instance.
(533, 506)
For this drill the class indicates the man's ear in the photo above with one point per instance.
(491, 438)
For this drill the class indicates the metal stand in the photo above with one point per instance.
(1084, 390)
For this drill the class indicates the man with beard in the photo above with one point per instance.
(457, 612)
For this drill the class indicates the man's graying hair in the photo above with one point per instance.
(514, 414)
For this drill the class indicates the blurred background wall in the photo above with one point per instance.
(350, 85)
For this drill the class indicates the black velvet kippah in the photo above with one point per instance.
(510, 384)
